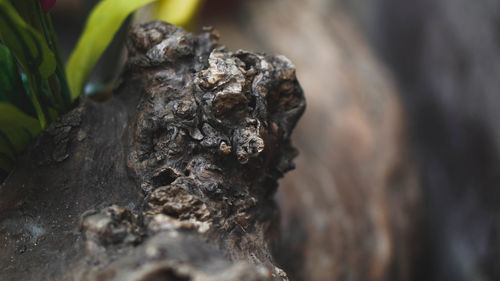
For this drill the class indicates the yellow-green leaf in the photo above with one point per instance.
(177, 12)
(102, 24)
(16, 131)
(25, 43)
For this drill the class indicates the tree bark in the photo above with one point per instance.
(171, 179)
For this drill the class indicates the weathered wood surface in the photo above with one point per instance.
(171, 179)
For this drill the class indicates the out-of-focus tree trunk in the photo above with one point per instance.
(445, 55)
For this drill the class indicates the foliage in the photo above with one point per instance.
(108, 16)
(176, 12)
(12, 89)
(34, 85)
(31, 52)
(16, 130)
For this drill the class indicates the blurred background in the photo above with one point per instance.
(398, 174)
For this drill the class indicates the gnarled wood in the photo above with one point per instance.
(172, 179)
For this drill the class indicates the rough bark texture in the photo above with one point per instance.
(172, 179)
(350, 211)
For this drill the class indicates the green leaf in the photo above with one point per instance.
(33, 14)
(102, 24)
(31, 51)
(12, 89)
(177, 12)
(16, 131)
(27, 45)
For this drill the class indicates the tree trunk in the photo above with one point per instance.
(171, 179)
